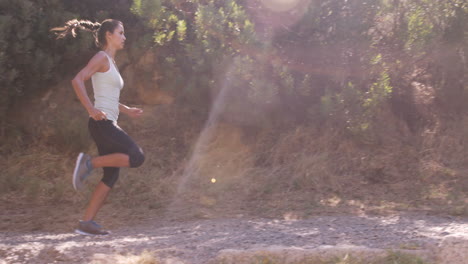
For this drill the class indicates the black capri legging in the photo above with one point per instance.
(110, 138)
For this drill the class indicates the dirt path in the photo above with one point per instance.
(198, 241)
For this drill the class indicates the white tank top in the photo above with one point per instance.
(106, 87)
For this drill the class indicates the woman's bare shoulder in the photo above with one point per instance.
(100, 56)
(99, 62)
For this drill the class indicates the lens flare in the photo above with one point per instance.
(280, 5)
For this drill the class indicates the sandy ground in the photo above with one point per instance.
(198, 241)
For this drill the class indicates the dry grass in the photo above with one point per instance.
(37, 173)
(145, 257)
(302, 170)
(223, 157)
(271, 172)
(390, 258)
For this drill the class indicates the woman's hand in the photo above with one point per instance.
(134, 112)
(97, 114)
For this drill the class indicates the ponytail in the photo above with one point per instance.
(98, 29)
(74, 24)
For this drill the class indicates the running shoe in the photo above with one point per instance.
(90, 228)
(82, 170)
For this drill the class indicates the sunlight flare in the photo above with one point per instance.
(280, 5)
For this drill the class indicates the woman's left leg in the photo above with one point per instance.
(116, 149)
(97, 200)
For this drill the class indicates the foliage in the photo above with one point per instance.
(31, 60)
(26, 61)
(335, 66)
(338, 62)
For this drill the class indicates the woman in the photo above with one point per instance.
(116, 149)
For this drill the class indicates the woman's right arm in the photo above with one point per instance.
(98, 63)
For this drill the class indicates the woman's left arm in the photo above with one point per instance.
(130, 111)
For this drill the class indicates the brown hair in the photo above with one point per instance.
(99, 30)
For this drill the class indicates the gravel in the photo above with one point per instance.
(198, 241)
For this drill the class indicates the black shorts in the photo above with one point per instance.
(110, 138)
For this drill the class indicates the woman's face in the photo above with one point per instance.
(117, 38)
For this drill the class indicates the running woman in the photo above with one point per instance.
(116, 149)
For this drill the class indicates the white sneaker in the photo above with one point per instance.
(82, 170)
